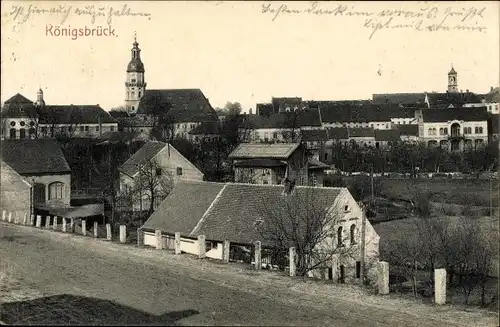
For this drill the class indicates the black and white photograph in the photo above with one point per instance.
(250, 163)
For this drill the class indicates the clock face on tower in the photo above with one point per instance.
(452, 79)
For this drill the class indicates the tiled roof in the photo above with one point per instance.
(493, 95)
(447, 114)
(118, 113)
(11, 180)
(283, 101)
(361, 132)
(399, 98)
(39, 156)
(143, 155)
(125, 137)
(74, 114)
(316, 164)
(295, 119)
(338, 103)
(408, 129)
(183, 105)
(264, 109)
(135, 121)
(337, 133)
(389, 135)
(18, 98)
(452, 98)
(263, 162)
(230, 211)
(314, 135)
(184, 207)
(272, 151)
(234, 214)
(340, 113)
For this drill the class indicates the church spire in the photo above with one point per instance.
(135, 84)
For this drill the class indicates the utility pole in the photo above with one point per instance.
(362, 250)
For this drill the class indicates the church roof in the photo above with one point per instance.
(452, 71)
(18, 98)
(184, 105)
(74, 114)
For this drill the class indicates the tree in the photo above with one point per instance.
(152, 185)
(233, 108)
(302, 221)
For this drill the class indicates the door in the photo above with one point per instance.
(342, 274)
(39, 196)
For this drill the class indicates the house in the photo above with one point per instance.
(403, 99)
(210, 130)
(15, 192)
(314, 139)
(386, 137)
(244, 213)
(22, 118)
(493, 123)
(41, 162)
(280, 127)
(123, 137)
(149, 174)
(269, 163)
(408, 133)
(454, 129)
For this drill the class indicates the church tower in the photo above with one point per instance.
(39, 99)
(135, 84)
(452, 81)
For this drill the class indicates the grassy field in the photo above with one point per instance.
(473, 192)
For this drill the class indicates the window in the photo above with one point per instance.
(22, 123)
(13, 133)
(179, 171)
(22, 133)
(265, 181)
(32, 132)
(353, 234)
(32, 123)
(112, 128)
(441, 131)
(82, 128)
(339, 236)
(132, 80)
(326, 156)
(266, 171)
(445, 131)
(480, 130)
(158, 171)
(63, 129)
(44, 130)
(275, 135)
(346, 208)
(12, 123)
(56, 190)
(86, 128)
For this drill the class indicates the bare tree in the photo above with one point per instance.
(152, 184)
(301, 220)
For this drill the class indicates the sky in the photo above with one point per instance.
(248, 51)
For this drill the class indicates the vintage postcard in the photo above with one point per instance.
(250, 163)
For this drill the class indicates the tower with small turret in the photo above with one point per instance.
(135, 85)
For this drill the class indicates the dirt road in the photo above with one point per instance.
(83, 280)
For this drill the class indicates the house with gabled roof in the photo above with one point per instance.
(244, 213)
(159, 165)
(41, 162)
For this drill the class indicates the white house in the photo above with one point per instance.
(243, 214)
(155, 163)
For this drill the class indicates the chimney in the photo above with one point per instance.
(467, 90)
(491, 88)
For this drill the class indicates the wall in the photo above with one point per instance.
(48, 179)
(255, 175)
(16, 201)
(169, 159)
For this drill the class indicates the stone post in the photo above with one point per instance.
(258, 255)
(293, 267)
(4, 215)
(84, 227)
(64, 225)
(32, 220)
(47, 222)
(96, 229)
(39, 221)
(226, 251)
(140, 237)
(440, 286)
(25, 219)
(72, 225)
(202, 247)
(383, 278)
(109, 237)
(159, 239)
(177, 243)
(123, 234)
(10, 217)
(335, 267)
(54, 223)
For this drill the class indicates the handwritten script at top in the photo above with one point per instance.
(427, 18)
(21, 13)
